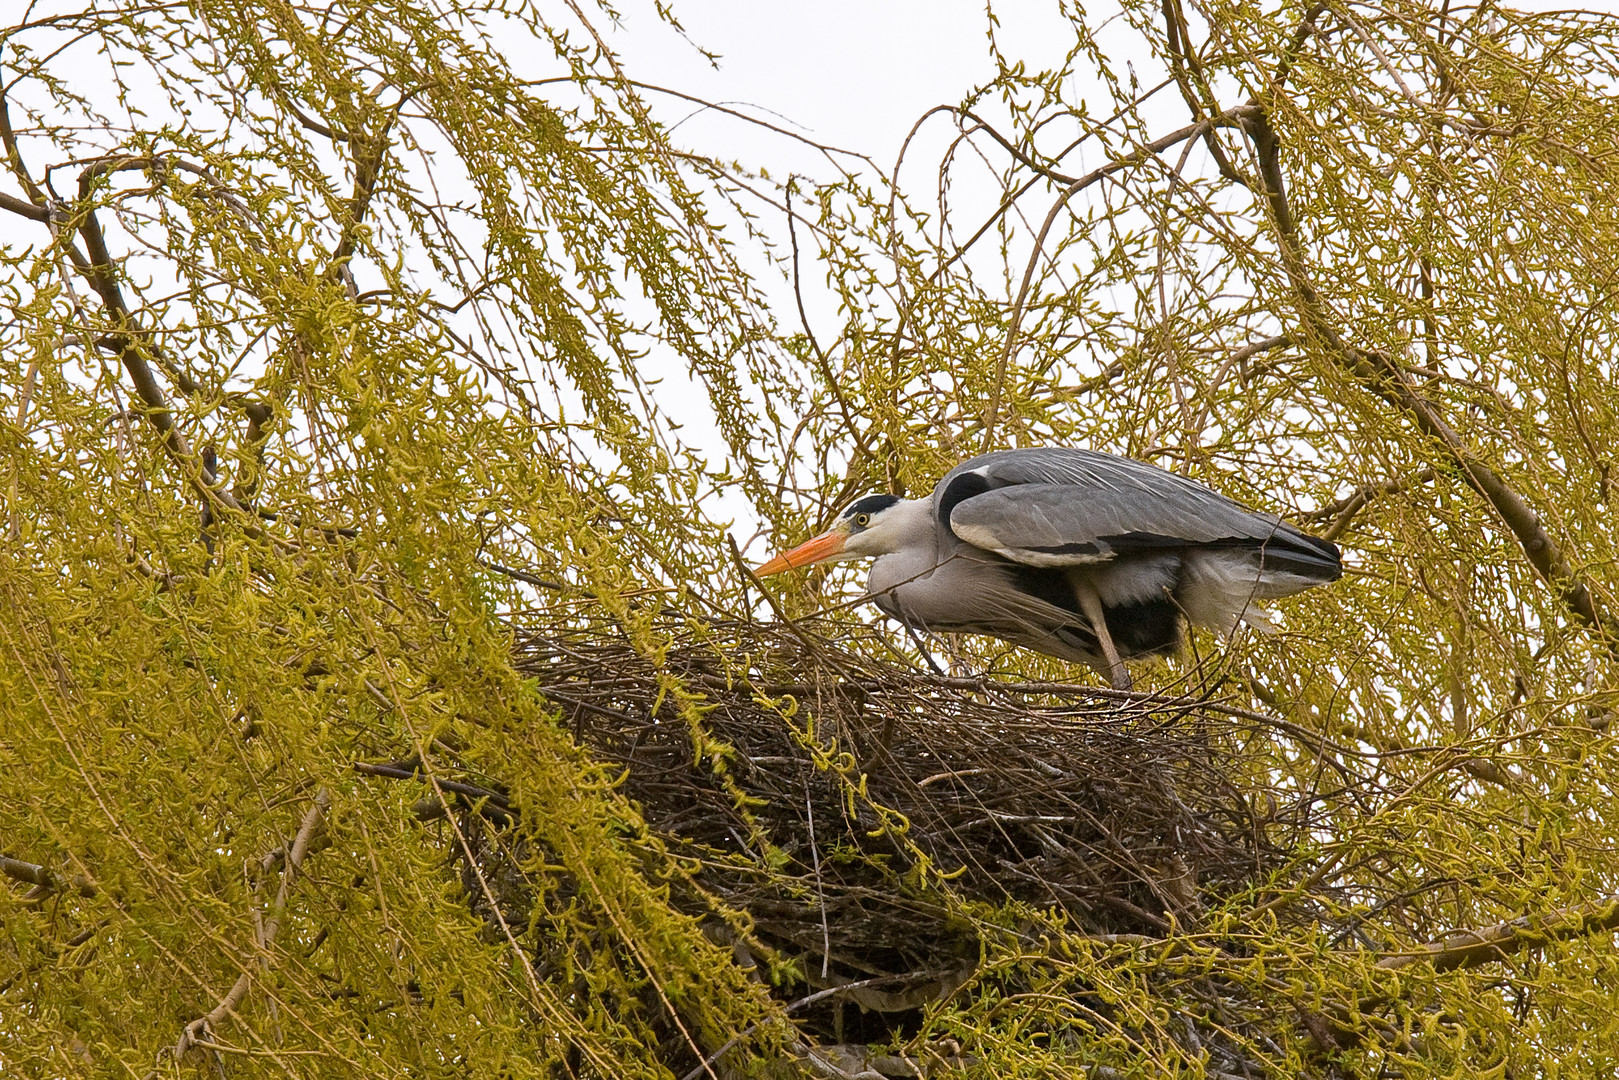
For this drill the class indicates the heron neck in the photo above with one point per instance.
(917, 556)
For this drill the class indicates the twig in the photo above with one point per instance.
(820, 892)
(1341, 1025)
(781, 616)
(502, 814)
(1342, 512)
(1233, 118)
(821, 360)
(198, 1030)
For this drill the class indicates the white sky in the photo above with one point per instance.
(854, 73)
(802, 67)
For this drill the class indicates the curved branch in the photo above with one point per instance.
(1234, 117)
(291, 859)
(1023, 159)
(1342, 512)
(1383, 377)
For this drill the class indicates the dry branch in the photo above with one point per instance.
(290, 860)
(1470, 948)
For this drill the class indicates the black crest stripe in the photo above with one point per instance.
(871, 504)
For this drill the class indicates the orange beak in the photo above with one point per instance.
(829, 545)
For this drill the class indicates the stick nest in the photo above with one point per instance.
(857, 808)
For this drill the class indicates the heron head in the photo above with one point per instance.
(862, 530)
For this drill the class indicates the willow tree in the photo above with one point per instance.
(334, 458)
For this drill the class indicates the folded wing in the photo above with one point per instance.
(1068, 507)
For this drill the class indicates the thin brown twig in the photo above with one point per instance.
(290, 860)
(1143, 152)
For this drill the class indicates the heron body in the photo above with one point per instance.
(1073, 553)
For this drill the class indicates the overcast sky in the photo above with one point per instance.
(855, 73)
(859, 88)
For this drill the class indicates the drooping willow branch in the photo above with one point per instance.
(1380, 375)
(1232, 118)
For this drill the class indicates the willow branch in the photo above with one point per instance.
(37, 206)
(26, 209)
(1020, 305)
(31, 873)
(1344, 1026)
(42, 879)
(197, 1031)
(1382, 377)
(1023, 158)
(1342, 512)
(492, 804)
(98, 267)
(821, 360)
(367, 170)
(1472, 948)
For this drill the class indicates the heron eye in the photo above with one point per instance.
(862, 520)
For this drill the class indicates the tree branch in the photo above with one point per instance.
(41, 878)
(26, 209)
(31, 873)
(19, 169)
(821, 360)
(291, 860)
(1343, 1025)
(367, 170)
(1383, 377)
(1342, 512)
(1473, 948)
(1234, 117)
(496, 807)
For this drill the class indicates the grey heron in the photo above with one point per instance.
(1074, 553)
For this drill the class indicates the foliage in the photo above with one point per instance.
(341, 360)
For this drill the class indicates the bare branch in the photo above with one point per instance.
(26, 209)
(1232, 118)
(290, 860)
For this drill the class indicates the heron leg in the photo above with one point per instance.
(916, 639)
(1091, 604)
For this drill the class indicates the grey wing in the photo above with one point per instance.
(1064, 507)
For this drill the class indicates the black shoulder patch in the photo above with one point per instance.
(960, 490)
(871, 504)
